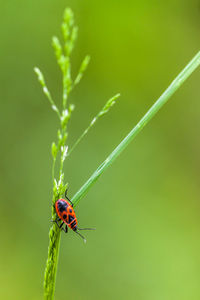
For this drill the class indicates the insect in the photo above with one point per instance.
(66, 214)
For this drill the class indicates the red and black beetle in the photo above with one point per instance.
(66, 214)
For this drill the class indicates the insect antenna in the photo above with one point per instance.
(86, 228)
(84, 239)
(68, 198)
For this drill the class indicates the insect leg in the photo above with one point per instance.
(61, 225)
(68, 198)
(84, 239)
(56, 221)
(65, 229)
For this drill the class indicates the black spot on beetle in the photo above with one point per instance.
(70, 210)
(64, 216)
(62, 206)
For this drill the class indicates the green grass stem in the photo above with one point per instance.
(176, 83)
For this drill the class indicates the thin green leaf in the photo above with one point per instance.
(103, 111)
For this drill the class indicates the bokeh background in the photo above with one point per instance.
(146, 206)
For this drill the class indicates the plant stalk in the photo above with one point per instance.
(176, 83)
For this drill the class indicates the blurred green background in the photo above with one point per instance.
(146, 206)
